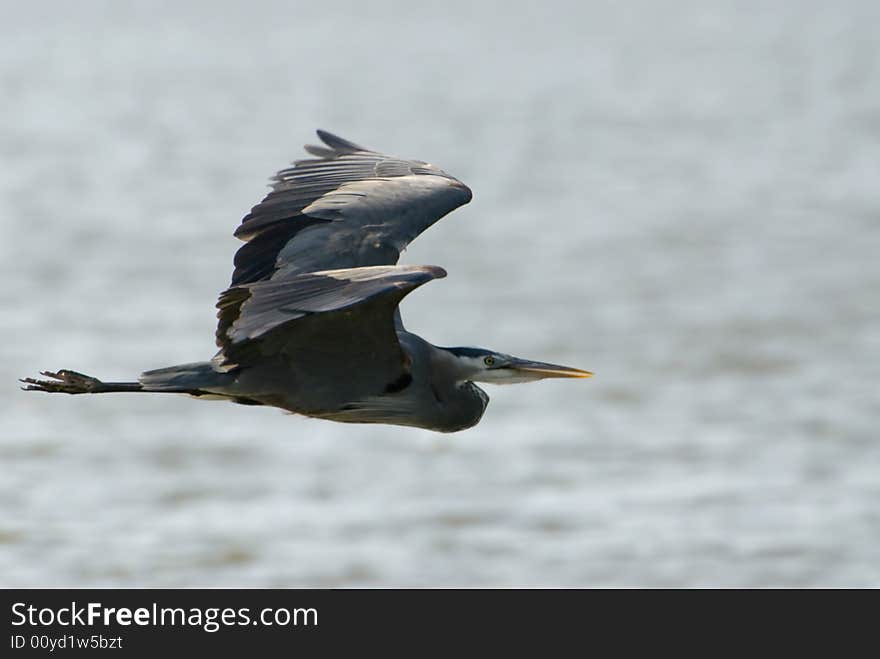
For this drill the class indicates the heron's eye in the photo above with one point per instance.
(489, 361)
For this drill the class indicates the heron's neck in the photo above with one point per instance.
(453, 366)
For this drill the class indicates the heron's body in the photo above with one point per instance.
(311, 323)
(424, 396)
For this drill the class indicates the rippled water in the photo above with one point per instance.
(682, 197)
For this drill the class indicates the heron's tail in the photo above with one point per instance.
(195, 379)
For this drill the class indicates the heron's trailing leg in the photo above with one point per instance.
(71, 382)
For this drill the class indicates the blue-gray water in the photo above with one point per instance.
(683, 197)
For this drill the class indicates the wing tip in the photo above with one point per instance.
(467, 193)
(338, 144)
(434, 271)
(318, 151)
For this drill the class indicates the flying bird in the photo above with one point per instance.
(310, 322)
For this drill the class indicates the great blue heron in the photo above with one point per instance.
(311, 323)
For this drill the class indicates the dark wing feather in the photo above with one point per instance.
(345, 314)
(337, 143)
(348, 207)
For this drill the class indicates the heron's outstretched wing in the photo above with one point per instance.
(346, 208)
(333, 325)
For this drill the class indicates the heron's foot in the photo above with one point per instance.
(64, 382)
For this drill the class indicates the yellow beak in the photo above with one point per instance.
(542, 370)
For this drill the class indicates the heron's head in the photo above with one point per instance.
(481, 365)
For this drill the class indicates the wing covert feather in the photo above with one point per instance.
(347, 207)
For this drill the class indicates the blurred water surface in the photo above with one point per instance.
(682, 197)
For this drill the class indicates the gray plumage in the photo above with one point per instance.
(311, 323)
(349, 208)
